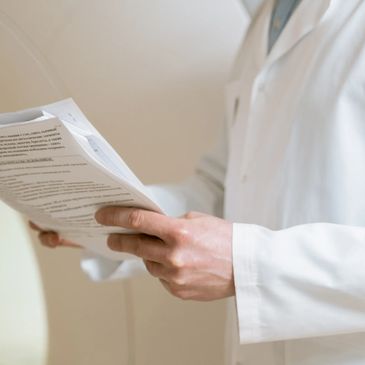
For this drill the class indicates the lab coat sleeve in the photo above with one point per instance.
(305, 281)
(203, 192)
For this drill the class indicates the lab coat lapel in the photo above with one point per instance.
(305, 18)
(257, 37)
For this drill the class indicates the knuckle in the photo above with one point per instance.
(139, 247)
(180, 235)
(190, 215)
(135, 218)
(175, 259)
(178, 278)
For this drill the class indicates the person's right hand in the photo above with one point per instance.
(51, 239)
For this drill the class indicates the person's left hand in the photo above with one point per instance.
(192, 255)
(51, 239)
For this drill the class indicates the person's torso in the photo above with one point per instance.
(296, 121)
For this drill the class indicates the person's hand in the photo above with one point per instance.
(192, 255)
(51, 239)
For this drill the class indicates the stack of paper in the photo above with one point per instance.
(58, 170)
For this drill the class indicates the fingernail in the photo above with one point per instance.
(111, 245)
(112, 242)
(99, 216)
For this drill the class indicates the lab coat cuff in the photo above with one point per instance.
(98, 268)
(245, 278)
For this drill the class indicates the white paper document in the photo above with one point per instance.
(57, 169)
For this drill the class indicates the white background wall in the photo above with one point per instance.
(149, 74)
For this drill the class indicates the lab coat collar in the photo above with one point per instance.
(304, 19)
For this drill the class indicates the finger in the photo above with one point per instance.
(156, 269)
(34, 226)
(65, 243)
(165, 284)
(147, 247)
(49, 239)
(177, 291)
(52, 240)
(152, 223)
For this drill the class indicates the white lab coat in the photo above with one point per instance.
(290, 169)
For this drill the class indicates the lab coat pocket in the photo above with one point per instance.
(232, 102)
(235, 125)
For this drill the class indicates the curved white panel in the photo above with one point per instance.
(23, 323)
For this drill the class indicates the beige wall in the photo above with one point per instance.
(149, 75)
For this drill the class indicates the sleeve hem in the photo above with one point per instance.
(246, 285)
